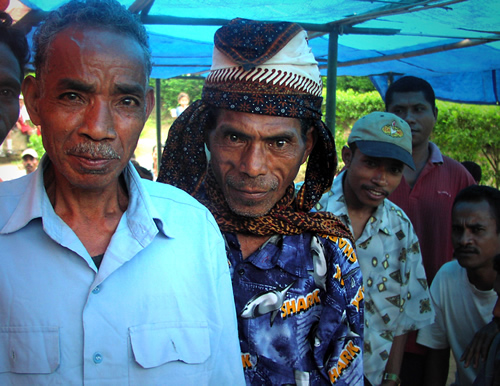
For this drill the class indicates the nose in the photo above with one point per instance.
(253, 161)
(99, 123)
(463, 238)
(380, 176)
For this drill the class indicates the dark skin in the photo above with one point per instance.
(475, 242)
(255, 158)
(91, 112)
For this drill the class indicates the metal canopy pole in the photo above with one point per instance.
(331, 80)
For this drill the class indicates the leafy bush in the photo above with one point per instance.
(462, 132)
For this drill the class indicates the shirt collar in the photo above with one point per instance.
(289, 253)
(377, 220)
(143, 219)
(435, 155)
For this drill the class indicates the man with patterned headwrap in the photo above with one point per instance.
(296, 280)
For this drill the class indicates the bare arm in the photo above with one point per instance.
(437, 366)
(479, 345)
(395, 359)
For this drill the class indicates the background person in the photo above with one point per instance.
(183, 101)
(424, 193)
(29, 158)
(462, 292)
(490, 372)
(14, 55)
(396, 293)
(296, 279)
(101, 278)
(474, 169)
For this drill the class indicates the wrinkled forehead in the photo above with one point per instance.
(94, 44)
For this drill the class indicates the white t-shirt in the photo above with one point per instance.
(461, 310)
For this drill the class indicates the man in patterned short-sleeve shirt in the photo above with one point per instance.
(396, 295)
(296, 279)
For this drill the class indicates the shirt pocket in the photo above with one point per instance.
(156, 344)
(29, 350)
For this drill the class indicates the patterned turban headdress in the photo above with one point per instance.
(259, 68)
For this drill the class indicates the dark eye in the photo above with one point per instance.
(7, 93)
(476, 230)
(70, 96)
(129, 101)
(396, 171)
(280, 143)
(370, 163)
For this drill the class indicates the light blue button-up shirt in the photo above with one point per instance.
(159, 310)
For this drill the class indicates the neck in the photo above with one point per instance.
(250, 243)
(359, 214)
(482, 278)
(420, 156)
(92, 214)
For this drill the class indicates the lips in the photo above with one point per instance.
(92, 163)
(376, 193)
(464, 252)
(250, 194)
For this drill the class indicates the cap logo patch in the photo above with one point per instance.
(393, 130)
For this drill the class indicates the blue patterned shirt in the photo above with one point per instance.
(299, 301)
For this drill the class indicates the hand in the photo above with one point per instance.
(479, 345)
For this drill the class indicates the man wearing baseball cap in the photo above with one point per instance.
(30, 160)
(396, 294)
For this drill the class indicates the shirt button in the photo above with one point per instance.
(97, 358)
(241, 272)
(96, 290)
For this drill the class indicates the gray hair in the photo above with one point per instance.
(102, 14)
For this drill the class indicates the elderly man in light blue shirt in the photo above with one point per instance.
(106, 278)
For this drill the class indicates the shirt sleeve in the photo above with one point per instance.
(338, 340)
(416, 309)
(434, 335)
(228, 368)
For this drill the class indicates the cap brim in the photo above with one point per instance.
(385, 150)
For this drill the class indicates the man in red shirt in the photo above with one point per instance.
(426, 194)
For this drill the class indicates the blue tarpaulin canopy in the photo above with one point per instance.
(455, 45)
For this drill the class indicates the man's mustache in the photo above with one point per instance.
(259, 184)
(93, 150)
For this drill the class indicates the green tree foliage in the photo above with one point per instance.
(170, 89)
(471, 133)
(462, 132)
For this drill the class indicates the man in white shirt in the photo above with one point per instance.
(462, 291)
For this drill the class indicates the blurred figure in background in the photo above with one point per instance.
(474, 169)
(183, 101)
(30, 160)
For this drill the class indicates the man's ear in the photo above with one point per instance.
(310, 142)
(347, 156)
(435, 113)
(31, 94)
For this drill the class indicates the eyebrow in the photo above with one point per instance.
(73, 84)
(133, 89)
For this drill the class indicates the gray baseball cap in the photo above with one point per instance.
(383, 135)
